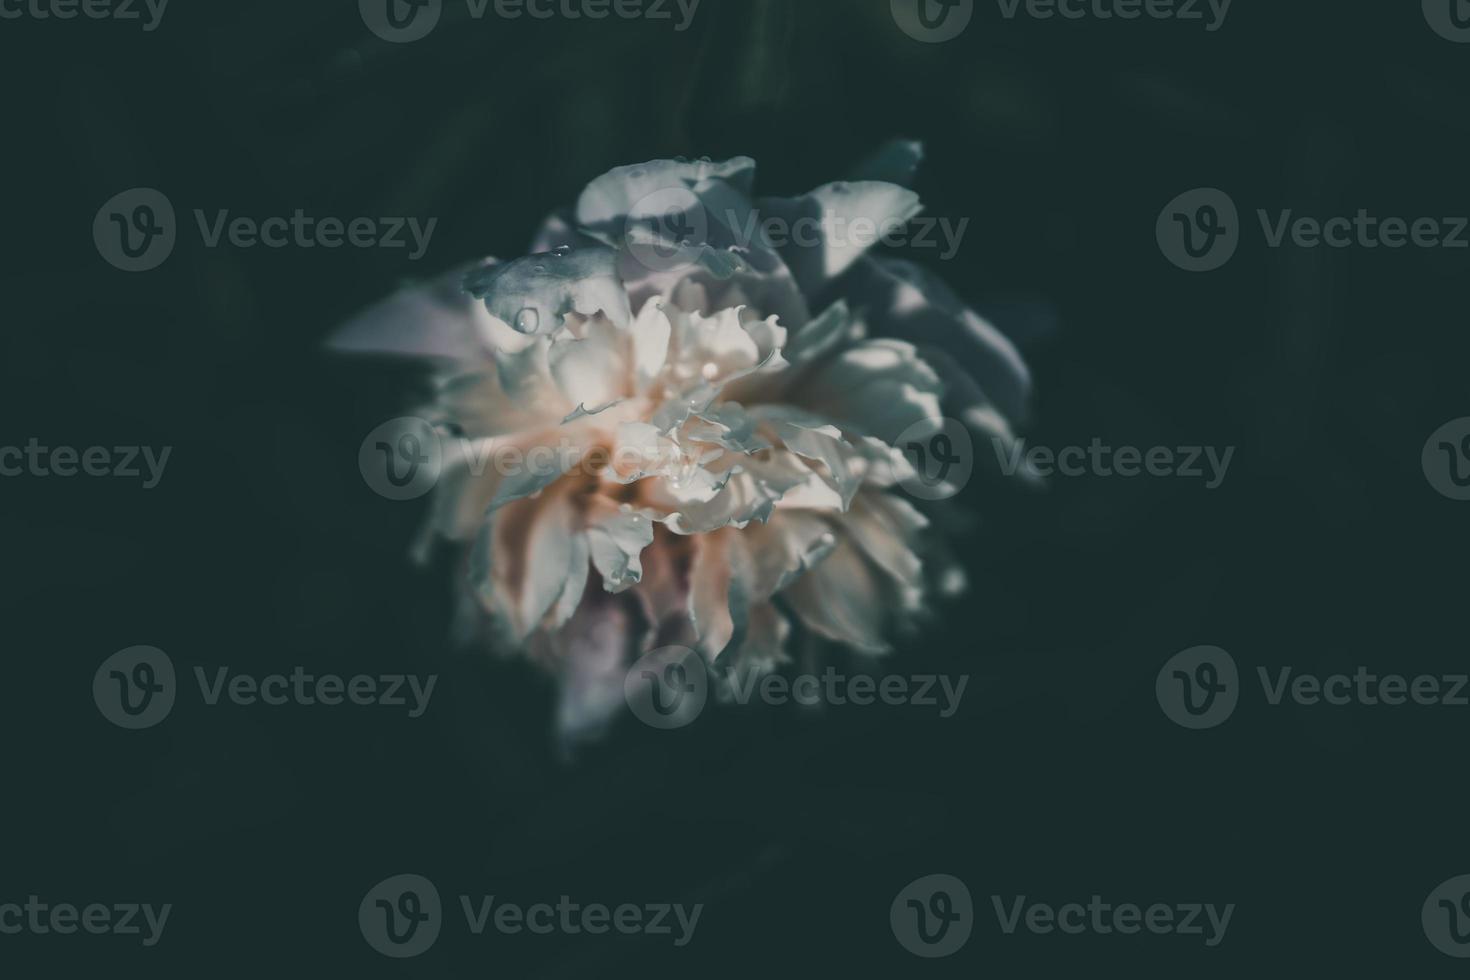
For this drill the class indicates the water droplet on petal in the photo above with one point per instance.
(527, 320)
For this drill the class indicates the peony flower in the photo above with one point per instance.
(717, 422)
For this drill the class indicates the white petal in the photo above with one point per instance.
(591, 371)
(820, 336)
(435, 319)
(525, 480)
(841, 600)
(764, 646)
(833, 209)
(480, 404)
(905, 300)
(639, 450)
(579, 557)
(739, 500)
(650, 336)
(879, 387)
(534, 293)
(884, 540)
(612, 197)
(590, 657)
(519, 562)
(718, 592)
(717, 346)
(783, 548)
(823, 444)
(617, 539)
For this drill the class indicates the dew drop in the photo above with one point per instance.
(527, 320)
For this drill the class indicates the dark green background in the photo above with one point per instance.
(263, 549)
